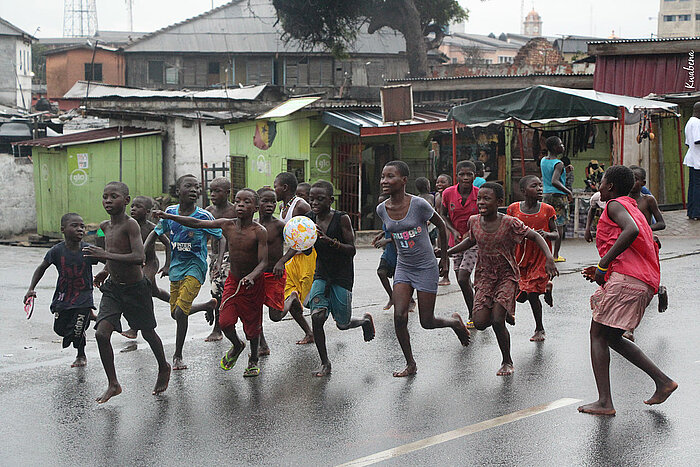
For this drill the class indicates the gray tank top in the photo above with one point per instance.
(410, 234)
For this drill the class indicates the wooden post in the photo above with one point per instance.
(398, 136)
(622, 136)
(454, 151)
(522, 150)
(680, 159)
(121, 135)
(201, 158)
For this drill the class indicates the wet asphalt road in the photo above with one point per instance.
(286, 416)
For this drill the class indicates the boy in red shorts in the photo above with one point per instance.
(275, 275)
(628, 274)
(244, 291)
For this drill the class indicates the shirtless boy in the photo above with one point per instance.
(244, 292)
(126, 291)
(188, 267)
(275, 280)
(221, 207)
(300, 266)
(141, 206)
(331, 292)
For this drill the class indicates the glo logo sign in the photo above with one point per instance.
(323, 163)
(78, 177)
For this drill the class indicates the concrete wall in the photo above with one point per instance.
(181, 146)
(8, 81)
(18, 204)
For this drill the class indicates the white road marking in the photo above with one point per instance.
(460, 432)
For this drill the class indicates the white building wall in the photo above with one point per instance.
(23, 62)
(18, 204)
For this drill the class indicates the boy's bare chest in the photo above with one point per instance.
(117, 239)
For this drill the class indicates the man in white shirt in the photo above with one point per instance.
(692, 160)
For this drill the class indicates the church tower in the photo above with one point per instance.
(532, 26)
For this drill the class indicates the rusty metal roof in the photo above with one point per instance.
(248, 26)
(370, 123)
(86, 137)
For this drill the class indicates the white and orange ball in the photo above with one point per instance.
(300, 233)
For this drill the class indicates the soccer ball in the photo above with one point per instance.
(300, 233)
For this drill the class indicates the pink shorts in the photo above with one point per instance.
(621, 302)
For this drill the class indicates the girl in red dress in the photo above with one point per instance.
(496, 274)
(534, 280)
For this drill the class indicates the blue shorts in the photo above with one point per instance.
(338, 301)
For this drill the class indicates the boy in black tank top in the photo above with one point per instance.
(331, 292)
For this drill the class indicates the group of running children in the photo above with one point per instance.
(509, 253)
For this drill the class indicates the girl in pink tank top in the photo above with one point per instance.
(628, 275)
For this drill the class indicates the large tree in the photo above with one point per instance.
(334, 24)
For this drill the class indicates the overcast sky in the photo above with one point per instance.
(629, 18)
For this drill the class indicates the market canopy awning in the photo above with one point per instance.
(544, 104)
(369, 122)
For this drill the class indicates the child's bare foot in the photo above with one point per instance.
(79, 361)
(548, 299)
(388, 305)
(308, 339)
(461, 330)
(410, 369)
(662, 393)
(412, 306)
(444, 281)
(506, 369)
(112, 390)
(663, 299)
(130, 333)
(510, 318)
(130, 347)
(163, 380)
(215, 335)
(596, 408)
(629, 335)
(263, 351)
(538, 336)
(179, 364)
(324, 371)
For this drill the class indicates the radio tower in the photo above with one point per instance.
(79, 18)
(130, 12)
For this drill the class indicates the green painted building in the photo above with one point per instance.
(70, 171)
(346, 147)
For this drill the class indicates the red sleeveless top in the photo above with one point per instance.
(641, 259)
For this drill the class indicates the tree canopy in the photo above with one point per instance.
(334, 24)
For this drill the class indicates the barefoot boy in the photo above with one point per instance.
(628, 274)
(275, 280)
(331, 292)
(299, 265)
(126, 291)
(221, 207)
(72, 302)
(534, 280)
(188, 267)
(141, 206)
(244, 292)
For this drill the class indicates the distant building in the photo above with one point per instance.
(574, 48)
(15, 66)
(240, 43)
(532, 25)
(678, 18)
(477, 49)
(97, 63)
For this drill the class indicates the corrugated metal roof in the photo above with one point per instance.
(99, 91)
(354, 121)
(248, 26)
(85, 137)
(289, 107)
(656, 39)
(443, 78)
(9, 29)
(493, 42)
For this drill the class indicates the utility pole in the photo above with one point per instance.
(130, 13)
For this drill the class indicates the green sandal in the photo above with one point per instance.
(228, 363)
(251, 371)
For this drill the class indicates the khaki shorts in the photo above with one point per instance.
(183, 293)
(621, 301)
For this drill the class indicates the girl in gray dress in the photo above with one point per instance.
(406, 219)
